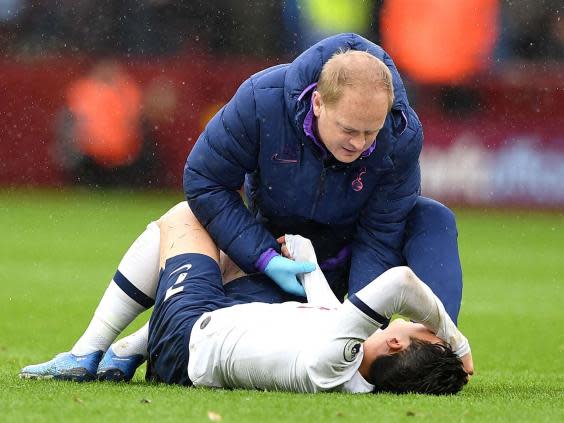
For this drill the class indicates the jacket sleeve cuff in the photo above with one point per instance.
(264, 259)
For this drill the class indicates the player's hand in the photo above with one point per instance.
(283, 247)
(468, 364)
(283, 271)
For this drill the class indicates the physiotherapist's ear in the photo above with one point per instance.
(317, 103)
(394, 344)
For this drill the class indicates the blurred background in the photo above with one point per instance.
(115, 93)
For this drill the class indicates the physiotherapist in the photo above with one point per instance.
(326, 147)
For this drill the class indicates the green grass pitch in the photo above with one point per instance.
(58, 251)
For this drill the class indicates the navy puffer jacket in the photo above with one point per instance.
(257, 139)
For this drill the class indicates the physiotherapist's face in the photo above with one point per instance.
(349, 127)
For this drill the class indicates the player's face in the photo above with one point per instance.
(398, 335)
(405, 330)
(349, 127)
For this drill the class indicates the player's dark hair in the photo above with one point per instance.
(423, 368)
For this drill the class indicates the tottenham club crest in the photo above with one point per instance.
(352, 347)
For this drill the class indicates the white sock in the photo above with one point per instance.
(131, 291)
(140, 264)
(136, 343)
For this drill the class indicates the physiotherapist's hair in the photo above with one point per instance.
(354, 68)
(423, 367)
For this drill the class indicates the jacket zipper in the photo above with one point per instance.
(320, 191)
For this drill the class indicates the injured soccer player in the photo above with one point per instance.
(199, 336)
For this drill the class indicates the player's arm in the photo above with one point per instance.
(381, 227)
(397, 291)
(316, 287)
(400, 291)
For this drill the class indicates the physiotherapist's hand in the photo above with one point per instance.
(283, 271)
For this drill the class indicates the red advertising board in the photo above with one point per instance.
(508, 151)
(488, 163)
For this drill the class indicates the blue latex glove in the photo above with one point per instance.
(283, 271)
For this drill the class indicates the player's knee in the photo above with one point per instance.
(177, 219)
(178, 211)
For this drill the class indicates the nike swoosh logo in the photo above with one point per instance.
(185, 267)
(279, 160)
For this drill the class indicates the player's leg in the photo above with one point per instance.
(130, 292)
(181, 233)
(123, 357)
(190, 284)
(431, 251)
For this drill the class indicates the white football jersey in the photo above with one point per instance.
(279, 347)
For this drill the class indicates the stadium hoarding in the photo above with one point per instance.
(508, 150)
(488, 164)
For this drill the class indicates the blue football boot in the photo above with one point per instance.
(65, 366)
(118, 369)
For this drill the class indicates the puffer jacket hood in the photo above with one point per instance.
(306, 68)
